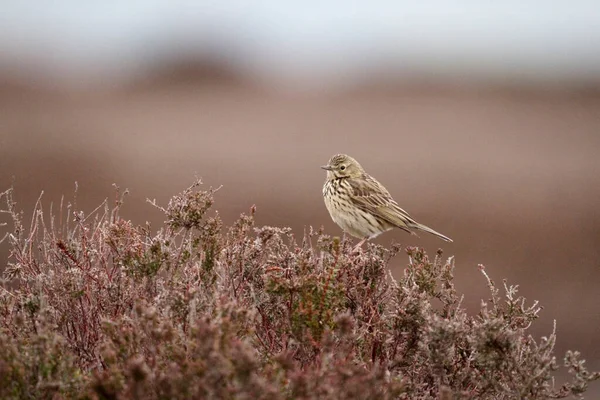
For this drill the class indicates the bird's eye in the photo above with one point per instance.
(343, 167)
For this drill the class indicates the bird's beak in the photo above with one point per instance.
(327, 167)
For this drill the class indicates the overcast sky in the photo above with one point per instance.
(332, 41)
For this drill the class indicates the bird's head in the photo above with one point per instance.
(343, 166)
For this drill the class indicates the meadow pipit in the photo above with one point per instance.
(360, 205)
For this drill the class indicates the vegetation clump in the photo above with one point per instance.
(94, 307)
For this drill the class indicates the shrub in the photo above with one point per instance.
(95, 307)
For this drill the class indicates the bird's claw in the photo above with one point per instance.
(358, 247)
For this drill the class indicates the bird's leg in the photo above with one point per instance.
(359, 245)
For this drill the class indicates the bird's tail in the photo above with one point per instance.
(427, 229)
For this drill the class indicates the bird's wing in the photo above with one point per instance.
(370, 196)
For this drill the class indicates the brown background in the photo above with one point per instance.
(512, 175)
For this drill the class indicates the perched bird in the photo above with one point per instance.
(360, 205)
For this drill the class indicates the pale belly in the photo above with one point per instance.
(355, 221)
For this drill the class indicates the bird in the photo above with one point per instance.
(362, 206)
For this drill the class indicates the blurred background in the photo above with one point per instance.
(482, 120)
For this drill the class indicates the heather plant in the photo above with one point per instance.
(95, 307)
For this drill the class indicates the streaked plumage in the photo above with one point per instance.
(360, 205)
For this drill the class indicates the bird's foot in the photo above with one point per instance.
(357, 248)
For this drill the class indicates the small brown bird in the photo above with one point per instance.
(360, 205)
